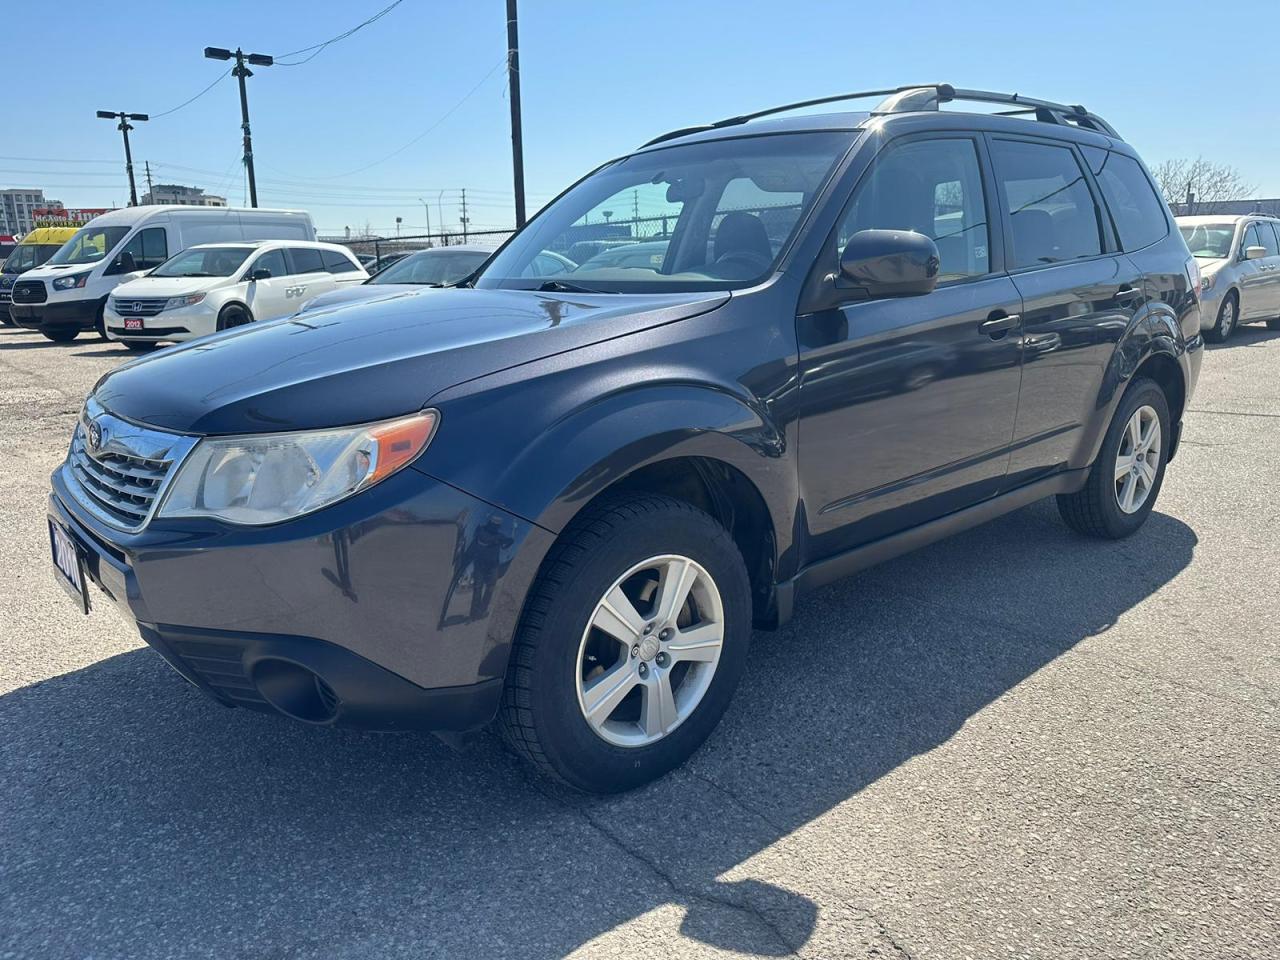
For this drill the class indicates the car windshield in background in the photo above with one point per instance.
(1209, 240)
(704, 216)
(204, 262)
(433, 267)
(89, 245)
(28, 256)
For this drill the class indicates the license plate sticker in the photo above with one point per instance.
(68, 564)
(133, 323)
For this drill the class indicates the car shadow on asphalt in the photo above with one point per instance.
(1247, 335)
(143, 820)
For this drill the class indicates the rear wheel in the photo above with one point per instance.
(1228, 318)
(65, 335)
(1126, 477)
(632, 642)
(233, 315)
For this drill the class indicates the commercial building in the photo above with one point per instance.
(175, 193)
(1229, 208)
(17, 207)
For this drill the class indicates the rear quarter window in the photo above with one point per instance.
(336, 262)
(1136, 208)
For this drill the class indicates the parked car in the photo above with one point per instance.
(378, 264)
(565, 500)
(69, 293)
(424, 268)
(217, 286)
(1239, 260)
(35, 248)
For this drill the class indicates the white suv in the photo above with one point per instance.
(216, 286)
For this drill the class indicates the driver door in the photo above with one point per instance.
(268, 298)
(907, 404)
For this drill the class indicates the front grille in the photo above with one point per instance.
(30, 291)
(121, 477)
(5, 295)
(139, 307)
(221, 666)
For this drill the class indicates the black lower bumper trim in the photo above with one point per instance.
(56, 315)
(316, 681)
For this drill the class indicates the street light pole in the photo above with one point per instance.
(427, 210)
(517, 140)
(241, 73)
(124, 127)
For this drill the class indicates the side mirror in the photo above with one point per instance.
(890, 263)
(261, 273)
(1255, 253)
(126, 263)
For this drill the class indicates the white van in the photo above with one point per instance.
(69, 293)
(217, 286)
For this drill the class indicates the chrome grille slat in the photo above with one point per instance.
(121, 482)
(139, 306)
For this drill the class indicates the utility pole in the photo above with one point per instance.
(124, 127)
(513, 80)
(427, 210)
(444, 237)
(151, 191)
(241, 73)
(464, 218)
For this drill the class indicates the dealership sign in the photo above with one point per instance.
(64, 217)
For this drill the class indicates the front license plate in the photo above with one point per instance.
(133, 323)
(68, 564)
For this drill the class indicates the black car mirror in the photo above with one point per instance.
(889, 263)
(260, 273)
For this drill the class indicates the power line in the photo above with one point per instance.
(318, 47)
(222, 76)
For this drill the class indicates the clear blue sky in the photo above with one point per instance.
(598, 78)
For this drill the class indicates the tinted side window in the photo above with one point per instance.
(272, 260)
(932, 187)
(155, 250)
(336, 262)
(1267, 236)
(1051, 209)
(1136, 209)
(1252, 238)
(306, 260)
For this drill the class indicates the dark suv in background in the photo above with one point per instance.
(563, 495)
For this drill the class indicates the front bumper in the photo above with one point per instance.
(184, 323)
(56, 314)
(391, 610)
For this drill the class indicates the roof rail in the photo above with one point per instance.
(922, 96)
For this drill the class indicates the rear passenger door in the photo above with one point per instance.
(1079, 294)
(1252, 274)
(1269, 267)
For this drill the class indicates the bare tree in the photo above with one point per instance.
(1190, 186)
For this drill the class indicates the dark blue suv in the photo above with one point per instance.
(561, 493)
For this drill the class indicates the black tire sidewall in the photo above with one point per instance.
(577, 753)
(1142, 393)
(60, 336)
(225, 314)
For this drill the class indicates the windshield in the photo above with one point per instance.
(204, 262)
(433, 267)
(89, 245)
(28, 256)
(1209, 240)
(704, 216)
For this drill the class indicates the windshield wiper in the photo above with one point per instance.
(560, 286)
(199, 274)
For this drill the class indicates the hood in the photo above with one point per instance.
(370, 361)
(145, 287)
(362, 292)
(48, 270)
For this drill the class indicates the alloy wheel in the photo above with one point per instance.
(1138, 459)
(650, 651)
(1228, 316)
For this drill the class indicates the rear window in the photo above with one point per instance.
(336, 262)
(1138, 213)
(1268, 237)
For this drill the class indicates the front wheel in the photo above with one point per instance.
(1228, 317)
(140, 346)
(233, 315)
(632, 642)
(64, 335)
(1273, 324)
(1129, 471)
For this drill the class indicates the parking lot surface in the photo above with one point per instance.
(1016, 742)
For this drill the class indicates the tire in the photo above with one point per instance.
(1096, 510)
(557, 649)
(65, 335)
(233, 315)
(1228, 319)
(100, 322)
(7, 320)
(1273, 324)
(139, 346)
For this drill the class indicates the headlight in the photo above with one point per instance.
(267, 478)
(188, 301)
(1206, 281)
(70, 283)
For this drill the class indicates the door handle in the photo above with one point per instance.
(997, 326)
(1127, 293)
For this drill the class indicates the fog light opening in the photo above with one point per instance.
(295, 691)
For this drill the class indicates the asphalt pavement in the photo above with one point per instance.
(1014, 743)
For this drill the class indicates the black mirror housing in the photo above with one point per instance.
(890, 263)
(261, 273)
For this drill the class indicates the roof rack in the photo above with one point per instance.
(926, 96)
